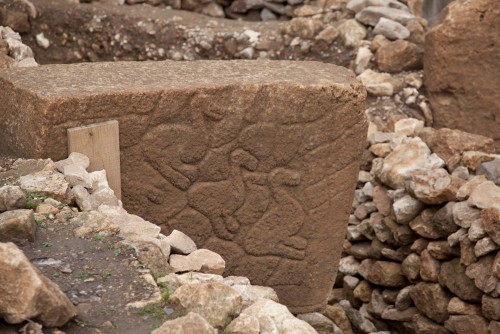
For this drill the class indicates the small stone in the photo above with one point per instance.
(403, 299)
(404, 159)
(213, 9)
(467, 255)
(399, 315)
(180, 243)
(464, 215)
(491, 307)
(494, 327)
(388, 274)
(406, 208)
(11, 198)
(253, 293)
(391, 29)
(351, 32)
(30, 295)
(304, 27)
(284, 321)
(434, 186)
(46, 182)
(476, 230)
(411, 266)
(382, 200)
(76, 175)
(81, 197)
(320, 323)
(441, 250)
(485, 246)
(93, 222)
(363, 291)
(371, 15)
(329, 35)
(465, 324)
(349, 265)
(357, 320)
(453, 276)
(429, 267)
(17, 224)
(450, 144)
(362, 60)
(408, 126)
(454, 238)
(485, 196)
(461, 172)
(216, 302)
(202, 260)
(491, 224)
(74, 158)
(431, 299)
(46, 209)
(481, 273)
(18, 50)
(424, 325)
(458, 306)
(380, 84)
(381, 149)
(350, 281)
(363, 210)
(473, 159)
(190, 323)
(243, 324)
(337, 314)
(42, 41)
(398, 56)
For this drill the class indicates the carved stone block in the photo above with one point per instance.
(256, 160)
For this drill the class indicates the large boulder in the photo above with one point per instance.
(255, 160)
(461, 65)
(27, 293)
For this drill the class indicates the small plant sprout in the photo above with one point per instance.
(47, 244)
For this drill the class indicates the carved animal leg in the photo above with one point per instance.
(289, 252)
(175, 178)
(296, 242)
(220, 229)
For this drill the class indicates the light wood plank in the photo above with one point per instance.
(100, 142)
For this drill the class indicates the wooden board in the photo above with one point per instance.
(100, 142)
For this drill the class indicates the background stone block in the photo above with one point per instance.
(256, 160)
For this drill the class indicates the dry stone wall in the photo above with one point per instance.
(255, 165)
(422, 248)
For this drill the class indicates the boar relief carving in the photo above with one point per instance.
(241, 181)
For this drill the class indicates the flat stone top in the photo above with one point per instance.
(117, 77)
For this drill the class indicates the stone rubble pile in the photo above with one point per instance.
(421, 253)
(13, 53)
(248, 10)
(213, 303)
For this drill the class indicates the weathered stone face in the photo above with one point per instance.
(253, 164)
(461, 64)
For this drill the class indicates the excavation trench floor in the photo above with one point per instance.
(99, 274)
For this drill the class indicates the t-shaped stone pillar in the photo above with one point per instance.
(256, 160)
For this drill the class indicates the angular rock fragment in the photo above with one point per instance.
(190, 323)
(17, 224)
(216, 302)
(30, 295)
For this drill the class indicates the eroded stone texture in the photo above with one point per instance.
(462, 86)
(254, 160)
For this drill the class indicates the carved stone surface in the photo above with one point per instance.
(256, 160)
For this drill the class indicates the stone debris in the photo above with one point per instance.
(13, 53)
(30, 295)
(17, 224)
(429, 263)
